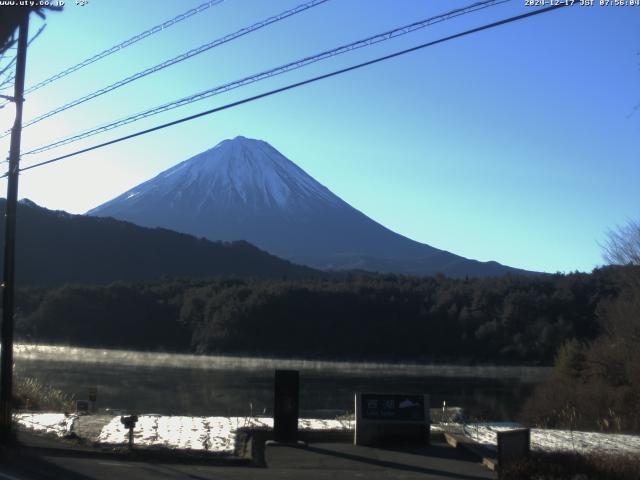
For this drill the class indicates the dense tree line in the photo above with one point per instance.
(502, 319)
(120, 315)
(596, 382)
(498, 320)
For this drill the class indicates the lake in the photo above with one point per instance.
(179, 384)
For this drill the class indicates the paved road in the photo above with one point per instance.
(317, 461)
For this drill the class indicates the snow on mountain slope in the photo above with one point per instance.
(245, 171)
(244, 189)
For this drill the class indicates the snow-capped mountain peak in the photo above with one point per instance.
(241, 170)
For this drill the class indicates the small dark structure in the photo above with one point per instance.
(82, 407)
(286, 405)
(513, 445)
(130, 423)
(93, 397)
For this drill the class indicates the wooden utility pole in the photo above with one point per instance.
(8, 279)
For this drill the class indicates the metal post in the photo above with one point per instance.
(8, 291)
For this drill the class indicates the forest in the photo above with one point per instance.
(506, 320)
(584, 324)
(596, 382)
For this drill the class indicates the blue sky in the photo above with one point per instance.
(513, 144)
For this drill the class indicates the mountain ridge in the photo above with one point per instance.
(246, 189)
(54, 247)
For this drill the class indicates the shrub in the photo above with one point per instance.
(29, 393)
(561, 466)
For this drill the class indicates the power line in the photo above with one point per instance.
(6, 83)
(8, 65)
(127, 43)
(302, 83)
(8, 80)
(172, 61)
(14, 58)
(270, 73)
(40, 30)
(10, 75)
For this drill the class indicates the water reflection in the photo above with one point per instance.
(238, 386)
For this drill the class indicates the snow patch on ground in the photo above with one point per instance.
(558, 440)
(215, 434)
(193, 433)
(59, 424)
(219, 434)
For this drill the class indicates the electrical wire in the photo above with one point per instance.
(13, 59)
(8, 65)
(8, 80)
(172, 61)
(127, 43)
(40, 30)
(304, 82)
(6, 83)
(269, 73)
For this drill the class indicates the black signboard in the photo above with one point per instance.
(392, 407)
(286, 408)
(82, 406)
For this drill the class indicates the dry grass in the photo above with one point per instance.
(561, 466)
(573, 404)
(30, 394)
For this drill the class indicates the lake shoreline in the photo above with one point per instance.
(89, 355)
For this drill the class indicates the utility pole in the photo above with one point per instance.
(8, 283)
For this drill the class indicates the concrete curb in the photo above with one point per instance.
(37, 444)
(248, 449)
(260, 437)
(488, 456)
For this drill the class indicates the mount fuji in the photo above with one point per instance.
(244, 189)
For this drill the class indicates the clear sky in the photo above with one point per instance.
(514, 144)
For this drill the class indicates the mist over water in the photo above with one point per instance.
(181, 384)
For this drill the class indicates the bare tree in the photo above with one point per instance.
(623, 244)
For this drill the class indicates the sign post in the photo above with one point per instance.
(129, 423)
(93, 397)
